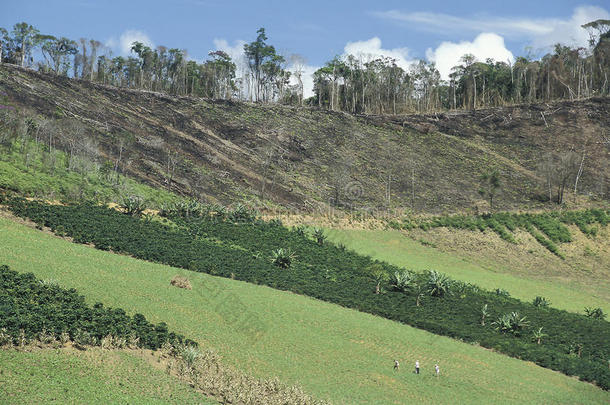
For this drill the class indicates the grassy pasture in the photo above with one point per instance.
(564, 291)
(94, 376)
(333, 352)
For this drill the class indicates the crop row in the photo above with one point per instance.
(30, 308)
(246, 250)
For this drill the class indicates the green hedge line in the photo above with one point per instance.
(552, 226)
(324, 271)
(30, 307)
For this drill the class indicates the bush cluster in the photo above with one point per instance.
(30, 308)
(427, 300)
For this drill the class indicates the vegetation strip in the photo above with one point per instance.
(30, 308)
(552, 225)
(36, 311)
(574, 344)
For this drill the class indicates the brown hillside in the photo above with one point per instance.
(307, 159)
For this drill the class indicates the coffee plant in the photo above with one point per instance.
(30, 309)
(240, 250)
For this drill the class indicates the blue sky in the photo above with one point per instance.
(318, 30)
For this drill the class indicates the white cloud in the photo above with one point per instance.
(371, 49)
(122, 45)
(570, 32)
(485, 45)
(540, 32)
(442, 23)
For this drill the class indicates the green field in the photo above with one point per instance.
(92, 376)
(333, 352)
(394, 247)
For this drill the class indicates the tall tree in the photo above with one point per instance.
(4, 41)
(265, 65)
(25, 38)
(58, 50)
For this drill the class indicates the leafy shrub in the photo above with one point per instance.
(299, 230)
(540, 302)
(438, 284)
(595, 313)
(502, 292)
(484, 314)
(538, 335)
(319, 236)
(241, 214)
(5, 338)
(82, 339)
(403, 280)
(189, 354)
(133, 205)
(512, 322)
(379, 274)
(282, 257)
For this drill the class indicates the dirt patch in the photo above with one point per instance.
(181, 282)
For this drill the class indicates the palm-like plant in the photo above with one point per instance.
(596, 313)
(484, 314)
(282, 257)
(299, 230)
(189, 354)
(438, 284)
(540, 302)
(378, 273)
(133, 205)
(403, 280)
(319, 236)
(538, 335)
(512, 322)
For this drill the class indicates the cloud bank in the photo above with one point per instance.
(372, 49)
(540, 32)
(122, 45)
(484, 46)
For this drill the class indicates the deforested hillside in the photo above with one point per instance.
(309, 159)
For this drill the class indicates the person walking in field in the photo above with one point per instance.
(396, 365)
(417, 367)
(437, 369)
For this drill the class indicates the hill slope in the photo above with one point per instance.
(333, 352)
(307, 159)
(94, 376)
(525, 270)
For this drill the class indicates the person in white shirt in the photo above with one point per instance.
(396, 365)
(417, 367)
(438, 370)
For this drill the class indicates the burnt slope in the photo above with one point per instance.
(305, 158)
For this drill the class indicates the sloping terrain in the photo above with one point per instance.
(94, 376)
(333, 352)
(236, 245)
(307, 159)
(525, 270)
